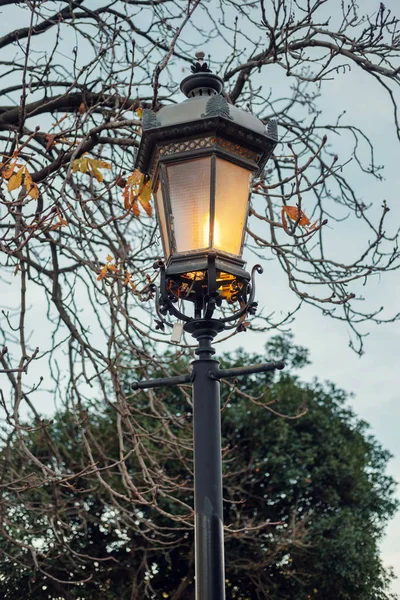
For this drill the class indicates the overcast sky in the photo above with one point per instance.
(373, 378)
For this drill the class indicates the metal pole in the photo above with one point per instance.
(209, 536)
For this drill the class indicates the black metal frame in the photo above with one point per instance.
(206, 297)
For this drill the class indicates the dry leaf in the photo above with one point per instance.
(50, 139)
(89, 165)
(103, 273)
(138, 189)
(9, 170)
(15, 180)
(296, 215)
(135, 209)
(31, 187)
(60, 223)
(128, 280)
(34, 191)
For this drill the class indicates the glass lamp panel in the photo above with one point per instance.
(189, 190)
(231, 205)
(162, 221)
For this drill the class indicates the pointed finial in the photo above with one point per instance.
(200, 66)
(200, 56)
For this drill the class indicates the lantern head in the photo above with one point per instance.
(202, 155)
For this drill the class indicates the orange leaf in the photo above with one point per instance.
(103, 273)
(82, 108)
(135, 208)
(127, 198)
(9, 170)
(296, 215)
(139, 112)
(61, 223)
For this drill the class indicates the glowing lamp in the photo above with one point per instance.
(202, 156)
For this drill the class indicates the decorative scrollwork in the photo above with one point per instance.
(165, 302)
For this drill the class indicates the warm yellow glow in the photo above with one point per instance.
(206, 232)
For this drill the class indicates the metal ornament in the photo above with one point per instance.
(217, 106)
(149, 119)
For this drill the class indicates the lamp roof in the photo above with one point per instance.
(205, 110)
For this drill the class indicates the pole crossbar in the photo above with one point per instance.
(162, 381)
(238, 371)
(217, 374)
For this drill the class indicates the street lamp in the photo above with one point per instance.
(202, 156)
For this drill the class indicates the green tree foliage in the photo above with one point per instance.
(306, 501)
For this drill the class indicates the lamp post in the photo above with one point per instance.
(202, 155)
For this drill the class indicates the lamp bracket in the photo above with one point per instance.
(166, 301)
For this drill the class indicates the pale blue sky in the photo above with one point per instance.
(373, 378)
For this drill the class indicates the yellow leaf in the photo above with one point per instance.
(84, 165)
(139, 112)
(27, 178)
(145, 197)
(34, 191)
(135, 178)
(146, 192)
(15, 180)
(100, 164)
(89, 165)
(146, 206)
(96, 173)
(109, 258)
(137, 189)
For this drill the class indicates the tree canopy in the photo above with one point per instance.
(306, 499)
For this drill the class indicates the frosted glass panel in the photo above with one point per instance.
(189, 189)
(161, 220)
(231, 196)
